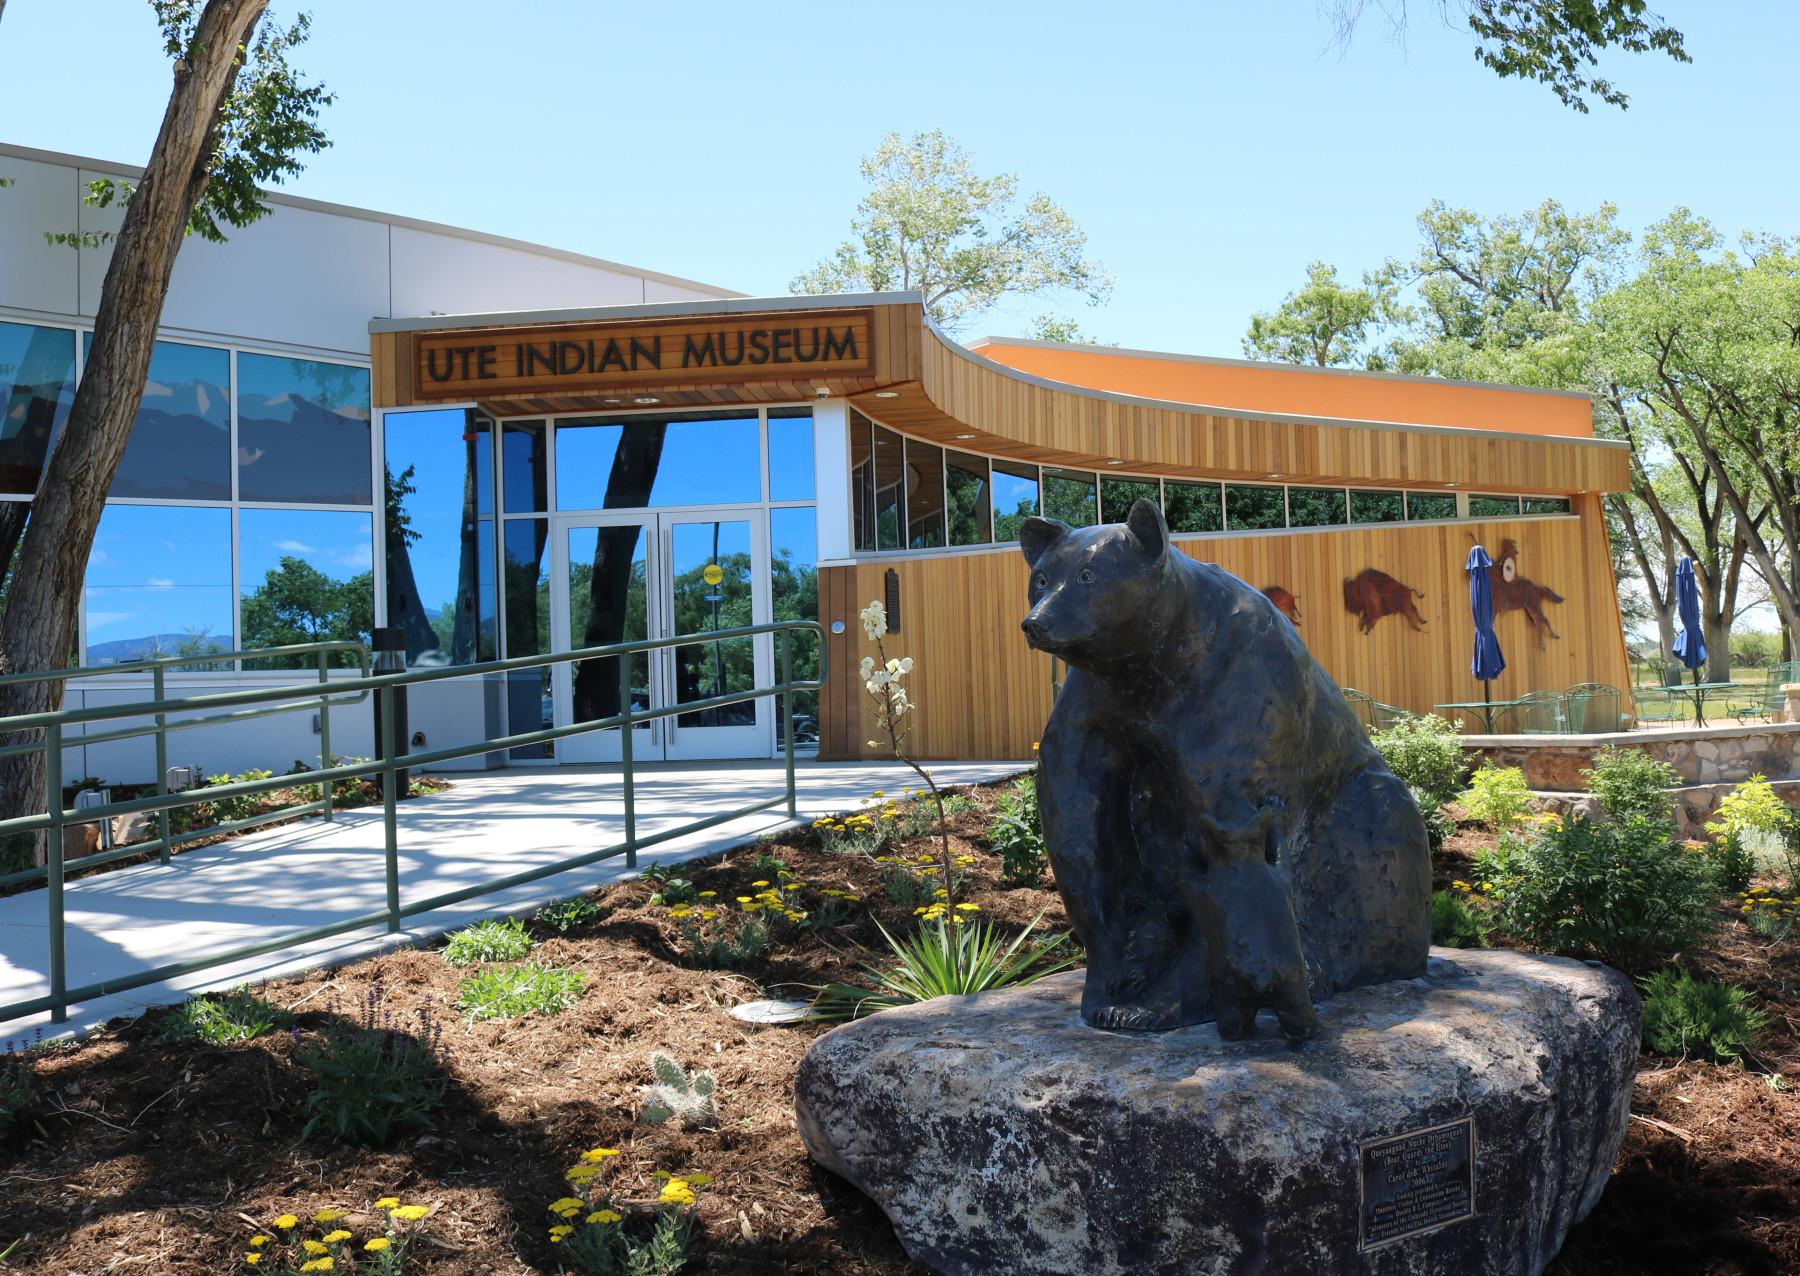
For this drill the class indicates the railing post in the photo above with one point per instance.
(787, 715)
(625, 727)
(325, 759)
(390, 766)
(53, 859)
(162, 764)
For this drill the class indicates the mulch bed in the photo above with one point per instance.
(141, 1155)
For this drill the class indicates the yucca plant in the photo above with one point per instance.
(945, 957)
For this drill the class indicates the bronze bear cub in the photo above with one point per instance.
(1223, 833)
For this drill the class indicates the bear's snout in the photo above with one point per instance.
(1034, 629)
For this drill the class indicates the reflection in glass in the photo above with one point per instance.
(1015, 497)
(697, 606)
(924, 496)
(790, 454)
(524, 468)
(1069, 496)
(794, 594)
(1116, 496)
(524, 569)
(37, 388)
(862, 482)
(304, 576)
(1493, 506)
(608, 603)
(890, 491)
(641, 461)
(1377, 507)
(1254, 508)
(1546, 505)
(440, 539)
(966, 494)
(180, 445)
(1429, 505)
(303, 431)
(1192, 507)
(1316, 507)
(158, 583)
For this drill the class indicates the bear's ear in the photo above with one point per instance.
(1037, 535)
(1146, 523)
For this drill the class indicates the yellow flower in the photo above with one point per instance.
(328, 1215)
(318, 1265)
(312, 1247)
(1460, 885)
(387, 1202)
(257, 1242)
(969, 908)
(708, 894)
(698, 1180)
(567, 1203)
(253, 1259)
(412, 1213)
(676, 1192)
(604, 1216)
(559, 1231)
(759, 883)
(336, 1236)
(581, 1173)
(376, 1244)
(287, 1222)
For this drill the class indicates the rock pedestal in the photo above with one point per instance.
(1459, 1122)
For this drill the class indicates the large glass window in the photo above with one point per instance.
(924, 495)
(1377, 507)
(440, 537)
(1193, 507)
(1117, 495)
(1254, 508)
(303, 431)
(790, 454)
(304, 576)
(1493, 506)
(966, 494)
(180, 446)
(890, 490)
(633, 462)
(1546, 505)
(525, 566)
(1015, 497)
(1316, 507)
(524, 468)
(37, 389)
(1069, 495)
(158, 583)
(794, 595)
(1429, 505)
(862, 482)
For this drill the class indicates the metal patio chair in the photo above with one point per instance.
(1592, 708)
(1540, 713)
(1771, 702)
(1654, 706)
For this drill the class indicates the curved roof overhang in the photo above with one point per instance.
(908, 375)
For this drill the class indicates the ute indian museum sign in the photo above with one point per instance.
(589, 357)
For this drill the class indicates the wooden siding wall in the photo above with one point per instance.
(981, 693)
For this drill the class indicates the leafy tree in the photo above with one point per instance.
(298, 603)
(237, 116)
(931, 223)
(1066, 331)
(1325, 323)
(1555, 42)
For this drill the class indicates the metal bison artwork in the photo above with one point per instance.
(1513, 592)
(1371, 595)
(1285, 603)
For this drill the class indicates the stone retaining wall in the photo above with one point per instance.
(1694, 804)
(1701, 756)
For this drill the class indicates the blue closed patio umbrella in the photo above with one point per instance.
(1690, 643)
(1488, 662)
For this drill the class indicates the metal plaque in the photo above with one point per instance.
(1417, 1182)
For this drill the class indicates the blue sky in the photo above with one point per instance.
(1210, 150)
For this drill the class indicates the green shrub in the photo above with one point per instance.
(1018, 835)
(958, 803)
(371, 1082)
(1769, 920)
(767, 865)
(943, 958)
(717, 939)
(245, 805)
(512, 992)
(1426, 752)
(1498, 798)
(225, 1018)
(1733, 864)
(1752, 807)
(496, 939)
(1455, 923)
(1629, 784)
(1620, 892)
(1438, 824)
(564, 915)
(1684, 1016)
(675, 890)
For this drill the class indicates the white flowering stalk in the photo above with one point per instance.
(884, 679)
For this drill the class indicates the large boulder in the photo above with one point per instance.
(1004, 1137)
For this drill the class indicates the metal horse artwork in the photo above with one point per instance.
(1513, 592)
(1224, 836)
(1285, 603)
(1371, 595)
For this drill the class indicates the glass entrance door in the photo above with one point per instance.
(628, 577)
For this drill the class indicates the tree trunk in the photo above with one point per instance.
(465, 627)
(628, 485)
(38, 627)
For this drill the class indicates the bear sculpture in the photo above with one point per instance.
(1224, 835)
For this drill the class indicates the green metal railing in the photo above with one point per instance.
(53, 726)
(160, 726)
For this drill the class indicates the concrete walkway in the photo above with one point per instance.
(306, 874)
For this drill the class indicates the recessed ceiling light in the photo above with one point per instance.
(887, 394)
(965, 436)
(646, 398)
(1272, 476)
(1115, 462)
(610, 400)
(1449, 485)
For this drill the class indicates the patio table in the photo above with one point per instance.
(1699, 691)
(1484, 707)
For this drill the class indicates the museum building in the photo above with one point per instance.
(506, 450)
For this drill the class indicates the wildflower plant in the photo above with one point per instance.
(373, 1081)
(1455, 920)
(1497, 797)
(18, 1086)
(564, 915)
(596, 1235)
(223, 1019)
(513, 992)
(1017, 834)
(1768, 914)
(689, 1099)
(328, 1242)
(495, 939)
